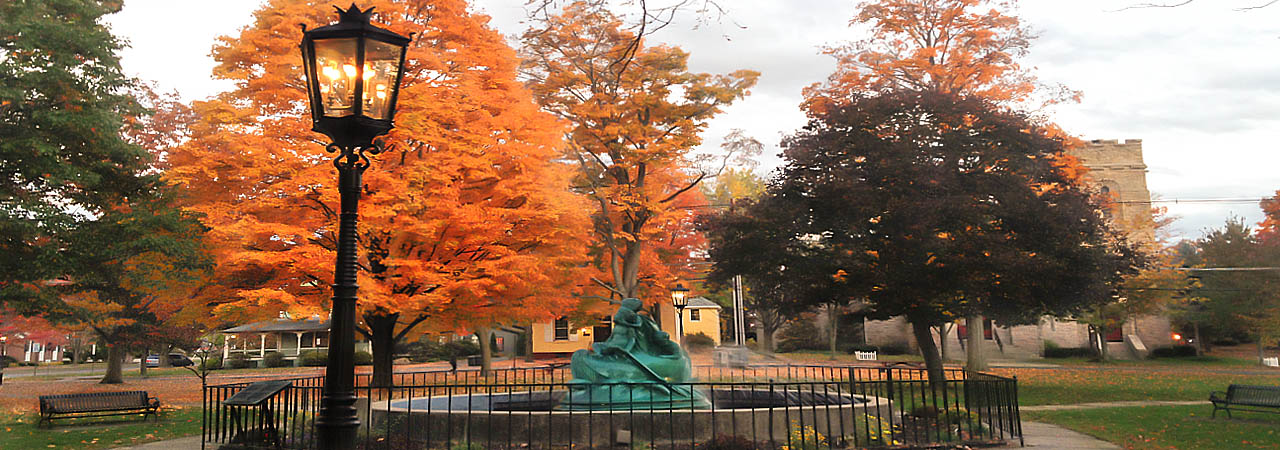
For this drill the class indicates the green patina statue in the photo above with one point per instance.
(638, 367)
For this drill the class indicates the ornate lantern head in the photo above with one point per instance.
(353, 71)
(680, 296)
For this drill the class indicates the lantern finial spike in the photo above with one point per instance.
(353, 14)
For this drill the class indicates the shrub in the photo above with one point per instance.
(276, 359)
(894, 349)
(802, 335)
(424, 351)
(237, 361)
(363, 358)
(7, 361)
(213, 362)
(698, 341)
(1067, 352)
(314, 358)
(727, 442)
(460, 349)
(1177, 351)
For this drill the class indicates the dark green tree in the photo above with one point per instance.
(935, 207)
(1242, 302)
(63, 102)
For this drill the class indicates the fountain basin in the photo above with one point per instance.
(532, 419)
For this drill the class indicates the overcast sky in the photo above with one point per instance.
(1200, 84)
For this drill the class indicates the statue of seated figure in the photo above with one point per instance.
(638, 367)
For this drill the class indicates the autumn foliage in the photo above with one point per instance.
(962, 47)
(635, 112)
(467, 221)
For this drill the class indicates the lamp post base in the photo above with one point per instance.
(338, 423)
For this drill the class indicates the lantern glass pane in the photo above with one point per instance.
(381, 69)
(336, 73)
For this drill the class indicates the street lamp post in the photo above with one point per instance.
(353, 71)
(680, 299)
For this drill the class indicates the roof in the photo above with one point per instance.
(702, 303)
(281, 325)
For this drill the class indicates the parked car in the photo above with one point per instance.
(175, 360)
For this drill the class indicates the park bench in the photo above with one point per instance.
(1246, 398)
(97, 404)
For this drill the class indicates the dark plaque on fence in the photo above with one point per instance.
(256, 393)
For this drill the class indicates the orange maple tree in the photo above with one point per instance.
(466, 223)
(951, 46)
(636, 113)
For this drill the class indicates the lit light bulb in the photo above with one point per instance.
(382, 95)
(330, 72)
(350, 70)
(368, 72)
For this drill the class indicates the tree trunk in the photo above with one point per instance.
(1261, 346)
(833, 311)
(486, 350)
(976, 359)
(115, 366)
(142, 362)
(528, 342)
(1199, 345)
(943, 331)
(932, 360)
(382, 329)
(164, 356)
(765, 335)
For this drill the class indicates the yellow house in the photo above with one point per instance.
(561, 338)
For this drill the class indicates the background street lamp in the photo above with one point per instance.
(353, 72)
(680, 299)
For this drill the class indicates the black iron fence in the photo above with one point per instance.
(769, 407)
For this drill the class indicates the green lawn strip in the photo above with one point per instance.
(1183, 362)
(20, 431)
(1057, 387)
(1164, 427)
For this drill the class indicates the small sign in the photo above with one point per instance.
(257, 393)
(1271, 362)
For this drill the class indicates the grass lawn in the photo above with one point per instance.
(20, 432)
(1222, 362)
(1066, 386)
(1163, 427)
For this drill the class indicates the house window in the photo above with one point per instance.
(695, 315)
(322, 339)
(988, 328)
(562, 329)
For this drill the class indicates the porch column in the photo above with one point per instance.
(299, 353)
(262, 347)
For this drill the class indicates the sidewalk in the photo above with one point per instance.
(1045, 436)
(186, 443)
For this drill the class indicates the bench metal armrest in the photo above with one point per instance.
(1217, 396)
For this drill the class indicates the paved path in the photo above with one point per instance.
(1045, 436)
(186, 443)
(1111, 405)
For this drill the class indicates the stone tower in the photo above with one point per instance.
(1117, 167)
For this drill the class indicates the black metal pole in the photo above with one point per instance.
(337, 423)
